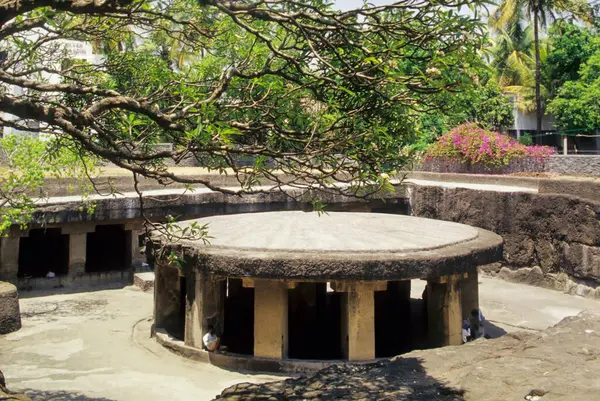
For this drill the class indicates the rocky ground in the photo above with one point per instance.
(560, 363)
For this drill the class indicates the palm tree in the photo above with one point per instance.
(513, 59)
(511, 13)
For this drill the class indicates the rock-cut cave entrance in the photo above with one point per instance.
(106, 249)
(44, 251)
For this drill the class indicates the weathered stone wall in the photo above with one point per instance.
(576, 165)
(556, 237)
(585, 165)
(447, 165)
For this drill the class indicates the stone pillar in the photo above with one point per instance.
(77, 245)
(205, 305)
(9, 258)
(358, 322)
(193, 311)
(77, 253)
(270, 319)
(135, 259)
(469, 293)
(444, 311)
(167, 298)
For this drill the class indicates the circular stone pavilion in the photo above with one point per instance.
(285, 288)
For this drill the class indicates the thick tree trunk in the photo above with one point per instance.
(538, 74)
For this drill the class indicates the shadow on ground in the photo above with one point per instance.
(493, 331)
(402, 379)
(39, 395)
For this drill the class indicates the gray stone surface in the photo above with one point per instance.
(359, 233)
(560, 363)
(95, 346)
(295, 245)
(10, 315)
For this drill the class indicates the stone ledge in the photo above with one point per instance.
(249, 363)
(459, 258)
(483, 179)
(535, 276)
(178, 347)
(68, 281)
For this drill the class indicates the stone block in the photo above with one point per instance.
(527, 275)
(10, 315)
(144, 281)
(548, 256)
(582, 261)
(492, 269)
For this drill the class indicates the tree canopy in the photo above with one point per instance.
(576, 104)
(573, 72)
(293, 82)
(513, 19)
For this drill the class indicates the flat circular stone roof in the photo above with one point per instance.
(337, 245)
(298, 231)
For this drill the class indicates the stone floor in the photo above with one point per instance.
(94, 346)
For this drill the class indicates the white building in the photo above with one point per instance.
(72, 50)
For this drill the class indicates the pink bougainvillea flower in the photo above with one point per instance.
(472, 144)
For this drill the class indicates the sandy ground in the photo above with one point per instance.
(95, 346)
